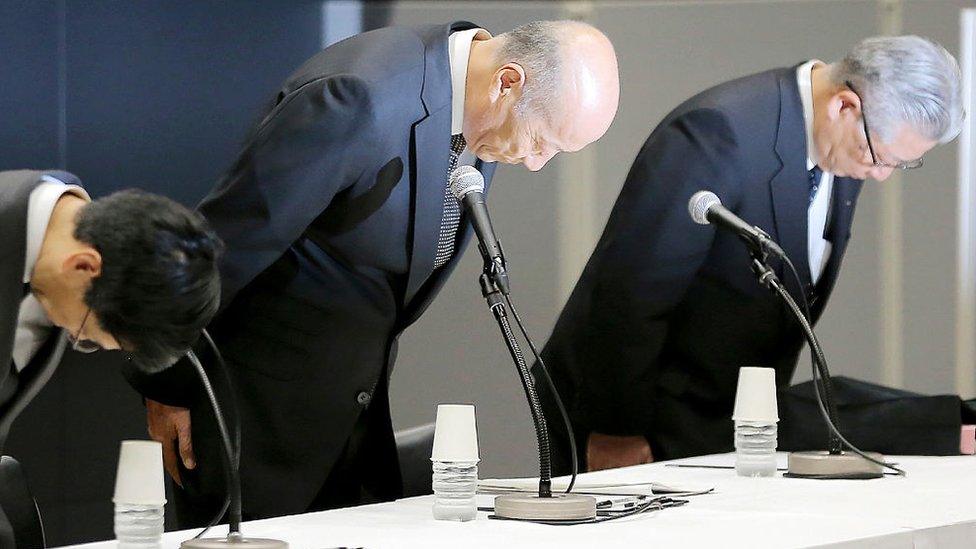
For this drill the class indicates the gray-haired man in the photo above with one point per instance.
(648, 347)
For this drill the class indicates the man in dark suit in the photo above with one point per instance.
(130, 271)
(340, 230)
(648, 347)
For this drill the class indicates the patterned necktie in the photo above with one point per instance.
(452, 210)
(815, 174)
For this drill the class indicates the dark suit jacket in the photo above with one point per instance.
(330, 217)
(666, 311)
(18, 389)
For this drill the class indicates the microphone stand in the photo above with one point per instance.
(544, 505)
(833, 463)
(231, 474)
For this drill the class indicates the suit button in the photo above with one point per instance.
(363, 398)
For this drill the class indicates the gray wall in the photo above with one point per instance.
(667, 52)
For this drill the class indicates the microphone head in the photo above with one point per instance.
(700, 203)
(466, 179)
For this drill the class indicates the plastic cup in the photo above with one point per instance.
(755, 396)
(139, 479)
(455, 434)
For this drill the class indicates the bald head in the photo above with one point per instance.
(570, 69)
(590, 86)
(553, 87)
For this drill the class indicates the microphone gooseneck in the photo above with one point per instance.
(467, 186)
(231, 459)
(231, 471)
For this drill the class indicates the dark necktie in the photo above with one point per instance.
(815, 174)
(452, 210)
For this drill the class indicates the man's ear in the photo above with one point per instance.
(844, 102)
(85, 263)
(508, 79)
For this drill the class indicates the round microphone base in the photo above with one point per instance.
(557, 507)
(235, 541)
(824, 465)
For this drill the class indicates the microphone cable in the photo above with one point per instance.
(817, 356)
(231, 450)
(552, 387)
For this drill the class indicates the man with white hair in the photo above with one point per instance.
(340, 229)
(647, 350)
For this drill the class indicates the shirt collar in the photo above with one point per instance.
(804, 81)
(459, 48)
(40, 206)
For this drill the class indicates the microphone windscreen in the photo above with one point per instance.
(466, 179)
(700, 203)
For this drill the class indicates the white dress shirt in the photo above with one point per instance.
(33, 326)
(818, 248)
(459, 48)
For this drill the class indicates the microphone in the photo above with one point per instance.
(468, 187)
(706, 208)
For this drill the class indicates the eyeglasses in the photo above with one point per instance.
(83, 345)
(910, 165)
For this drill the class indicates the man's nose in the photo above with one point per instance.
(535, 163)
(880, 174)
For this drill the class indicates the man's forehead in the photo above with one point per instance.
(907, 145)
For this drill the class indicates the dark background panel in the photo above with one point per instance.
(154, 95)
(161, 94)
(29, 88)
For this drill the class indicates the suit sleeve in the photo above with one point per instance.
(311, 146)
(612, 337)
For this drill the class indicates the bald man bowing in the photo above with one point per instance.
(340, 229)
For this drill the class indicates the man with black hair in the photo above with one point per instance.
(132, 271)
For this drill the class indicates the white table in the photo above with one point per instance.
(934, 507)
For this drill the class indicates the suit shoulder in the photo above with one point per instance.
(749, 105)
(374, 57)
(382, 70)
(10, 180)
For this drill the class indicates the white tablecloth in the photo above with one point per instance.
(934, 507)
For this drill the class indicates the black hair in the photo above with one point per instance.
(159, 285)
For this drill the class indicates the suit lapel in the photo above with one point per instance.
(787, 187)
(434, 134)
(431, 146)
(15, 189)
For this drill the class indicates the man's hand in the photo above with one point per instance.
(170, 426)
(608, 451)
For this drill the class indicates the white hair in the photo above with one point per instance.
(905, 80)
(537, 48)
